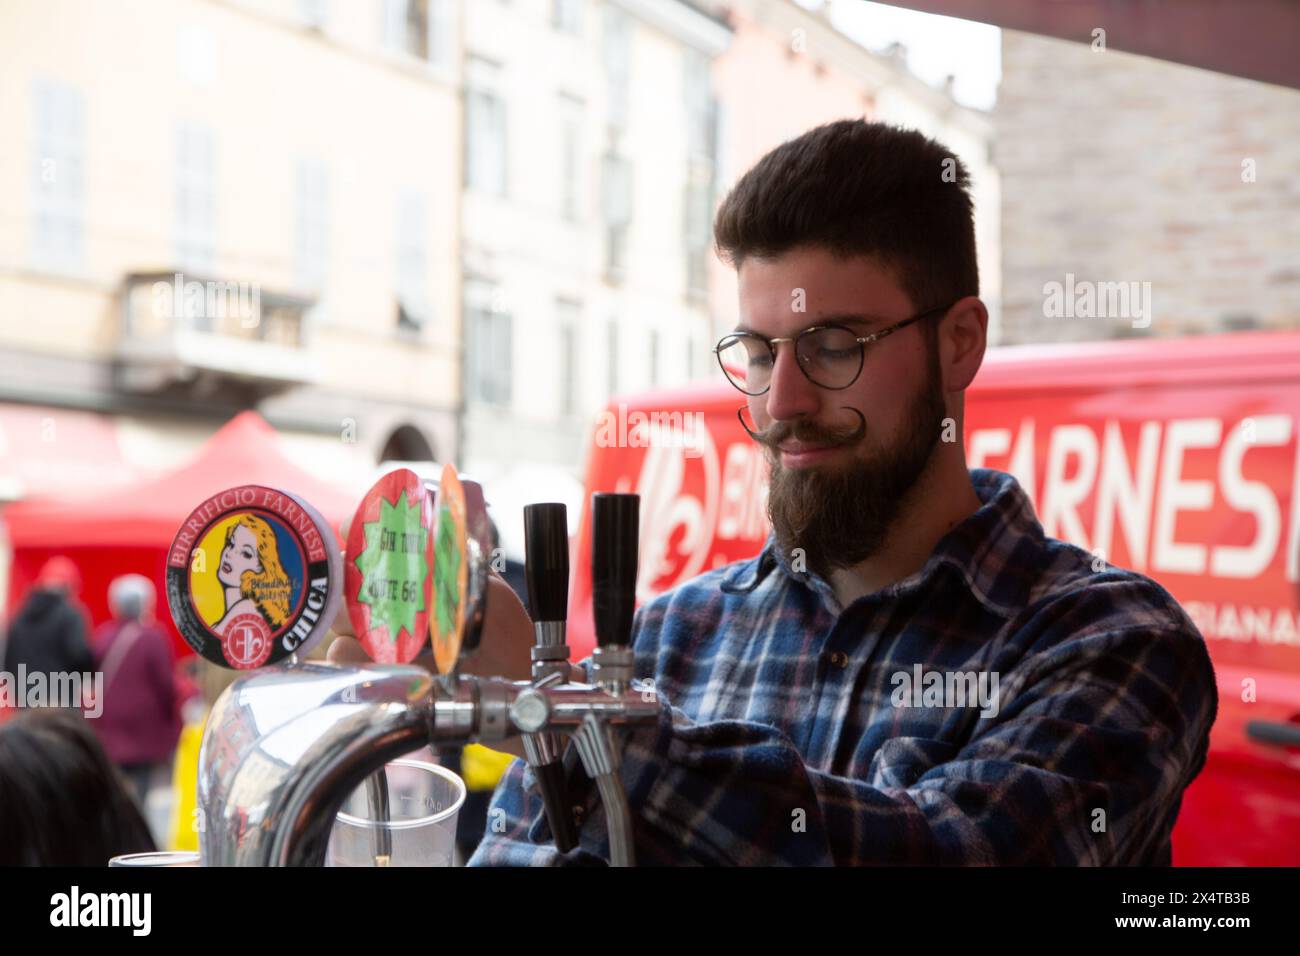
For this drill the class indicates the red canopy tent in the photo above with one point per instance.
(130, 529)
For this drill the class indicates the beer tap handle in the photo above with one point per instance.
(614, 543)
(546, 543)
(555, 800)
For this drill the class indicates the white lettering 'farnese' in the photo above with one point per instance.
(1253, 497)
(1073, 451)
(1126, 491)
(75, 908)
(1146, 490)
(1180, 494)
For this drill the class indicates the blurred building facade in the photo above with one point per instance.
(207, 206)
(1122, 169)
(789, 69)
(398, 229)
(588, 173)
(600, 137)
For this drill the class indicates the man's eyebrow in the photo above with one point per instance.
(843, 318)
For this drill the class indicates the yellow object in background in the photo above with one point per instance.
(482, 767)
(183, 831)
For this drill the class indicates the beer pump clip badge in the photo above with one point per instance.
(389, 569)
(253, 577)
(462, 552)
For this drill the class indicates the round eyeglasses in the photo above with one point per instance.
(830, 356)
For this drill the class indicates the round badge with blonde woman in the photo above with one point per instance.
(254, 576)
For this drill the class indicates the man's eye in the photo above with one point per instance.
(760, 360)
(835, 355)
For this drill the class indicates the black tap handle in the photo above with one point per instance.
(614, 541)
(546, 543)
(546, 566)
(555, 801)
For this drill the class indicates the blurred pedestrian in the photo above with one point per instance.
(61, 801)
(48, 633)
(140, 722)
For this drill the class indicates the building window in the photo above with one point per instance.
(195, 197)
(722, 159)
(406, 26)
(569, 321)
(698, 204)
(485, 129)
(442, 32)
(314, 13)
(570, 116)
(616, 209)
(700, 108)
(617, 53)
(412, 285)
(701, 152)
(58, 177)
(566, 16)
(488, 354)
(311, 224)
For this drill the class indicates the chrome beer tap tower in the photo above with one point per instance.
(286, 745)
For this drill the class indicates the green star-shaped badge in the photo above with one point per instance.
(393, 567)
(446, 574)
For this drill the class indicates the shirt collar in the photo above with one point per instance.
(993, 549)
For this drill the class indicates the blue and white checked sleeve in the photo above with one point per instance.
(1085, 762)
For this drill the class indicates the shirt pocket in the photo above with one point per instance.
(901, 761)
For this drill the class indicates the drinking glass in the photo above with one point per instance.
(424, 802)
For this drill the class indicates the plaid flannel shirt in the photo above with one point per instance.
(794, 731)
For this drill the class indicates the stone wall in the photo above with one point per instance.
(1121, 168)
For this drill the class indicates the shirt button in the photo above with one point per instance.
(840, 659)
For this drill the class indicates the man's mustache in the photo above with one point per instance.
(807, 432)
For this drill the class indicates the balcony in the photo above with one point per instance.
(195, 334)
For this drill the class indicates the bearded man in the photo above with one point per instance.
(910, 671)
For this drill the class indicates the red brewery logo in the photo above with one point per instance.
(253, 576)
(692, 500)
(247, 641)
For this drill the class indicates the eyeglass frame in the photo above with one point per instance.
(862, 340)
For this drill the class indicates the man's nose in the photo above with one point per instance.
(791, 395)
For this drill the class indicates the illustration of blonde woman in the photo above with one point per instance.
(252, 578)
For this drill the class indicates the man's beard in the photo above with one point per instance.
(839, 514)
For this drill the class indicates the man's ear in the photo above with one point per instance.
(962, 337)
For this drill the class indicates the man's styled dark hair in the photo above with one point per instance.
(860, 188)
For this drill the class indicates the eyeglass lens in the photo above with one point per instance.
(830, 357)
